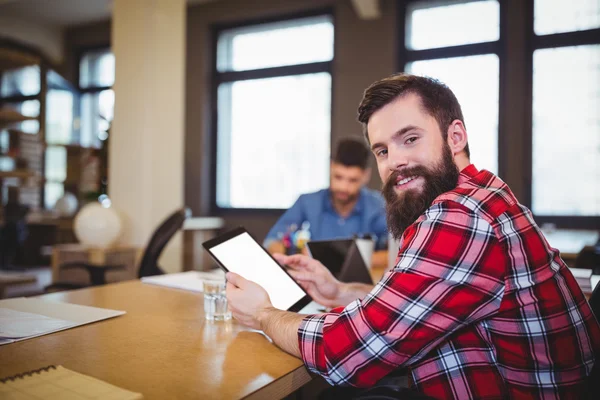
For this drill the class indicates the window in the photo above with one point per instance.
(506, 58)
(97, 69)
(474, 81)
(97, 111)
(60, 109)
(56, 173)
(273, 100)
(96, 108)
(61, 112)
(427, 25)
(96, 76)
(558, 16)
(20, 82)
(566, 109)
(464, 55)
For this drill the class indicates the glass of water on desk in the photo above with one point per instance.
(215, 302)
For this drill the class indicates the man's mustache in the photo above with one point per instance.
(416, 171)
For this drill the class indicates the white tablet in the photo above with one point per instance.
(237, 251)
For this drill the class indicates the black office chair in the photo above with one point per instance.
(13, 232)
(589, 258)
(149, 264)
(158, 241)
(593, 386)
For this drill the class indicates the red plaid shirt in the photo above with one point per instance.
(478, 306)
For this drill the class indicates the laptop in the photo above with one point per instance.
(237, 251)
(343, 258)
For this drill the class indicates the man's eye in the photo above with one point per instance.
(411, 140)
(381, 153)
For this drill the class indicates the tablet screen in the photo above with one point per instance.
(244, 256)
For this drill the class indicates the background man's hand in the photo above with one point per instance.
(246, 300)
(276, 247)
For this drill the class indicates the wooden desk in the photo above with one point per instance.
(162, 348)
(377, 273)
(116, 255)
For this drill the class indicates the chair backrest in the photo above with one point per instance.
(161, 236)
(589, 258)
(594, 377)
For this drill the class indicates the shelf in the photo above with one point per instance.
(20, 132)
(17, 174)
(9, 116)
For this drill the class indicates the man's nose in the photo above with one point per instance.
(397, 158)
(344, 186)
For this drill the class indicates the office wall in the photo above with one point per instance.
(364, 52)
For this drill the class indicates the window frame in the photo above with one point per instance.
(508, 111)
(218, 78)
(67, 86)
(535, 42)
(89, 89)
(80, 91)
(80, 54)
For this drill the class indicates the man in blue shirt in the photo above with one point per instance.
(345, 209)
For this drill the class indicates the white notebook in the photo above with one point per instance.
(24, 318)
(60, 383)
(190, 280)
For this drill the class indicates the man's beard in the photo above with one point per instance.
(403, 209)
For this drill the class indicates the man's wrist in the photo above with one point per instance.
(348, 292)
(264, 315)
(344, 291)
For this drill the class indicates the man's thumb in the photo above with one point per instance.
(235, 279)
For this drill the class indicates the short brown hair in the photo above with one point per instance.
(352, 153)
(436, 98)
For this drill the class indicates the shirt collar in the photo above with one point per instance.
(467, 173)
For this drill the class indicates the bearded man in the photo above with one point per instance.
(478, 305)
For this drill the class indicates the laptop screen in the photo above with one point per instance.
(331, 253)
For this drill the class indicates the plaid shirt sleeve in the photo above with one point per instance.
(449, 274)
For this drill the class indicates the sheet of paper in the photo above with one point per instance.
(19, 324)
(191, 280)
(72, 314)
(581, 273)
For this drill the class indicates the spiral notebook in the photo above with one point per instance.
(58, 383)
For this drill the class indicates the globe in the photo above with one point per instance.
(97, 226)
(66, 206)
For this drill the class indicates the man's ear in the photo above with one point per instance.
(457, 137)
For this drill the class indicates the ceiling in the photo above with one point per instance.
(62, 13)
